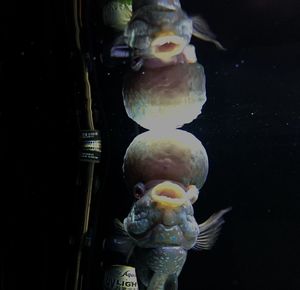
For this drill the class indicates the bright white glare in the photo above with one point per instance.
(165, 98)
(164, 118)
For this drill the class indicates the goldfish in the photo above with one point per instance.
(160, 29)
(160, 229)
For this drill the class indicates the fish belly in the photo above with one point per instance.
(158, 266)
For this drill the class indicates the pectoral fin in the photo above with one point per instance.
(137, 63)
(120, 241)
(209, 230)
(202, 31)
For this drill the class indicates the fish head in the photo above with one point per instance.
(159, 33)
(163, 216)
(167, 45)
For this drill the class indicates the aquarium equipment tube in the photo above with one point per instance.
(90, 143)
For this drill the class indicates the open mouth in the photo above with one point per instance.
(165, 47)
(168, 194)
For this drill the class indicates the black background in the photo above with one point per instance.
(249, 126)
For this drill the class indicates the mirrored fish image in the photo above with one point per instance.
(158, 29)
(166, 86)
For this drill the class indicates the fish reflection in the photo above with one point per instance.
(161, 29)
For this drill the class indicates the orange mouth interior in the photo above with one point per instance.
(165, 46)
(168, 194)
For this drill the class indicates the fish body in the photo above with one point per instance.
(165, 262)
(160, 229)
(163, 228)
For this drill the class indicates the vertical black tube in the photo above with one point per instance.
(90, 142)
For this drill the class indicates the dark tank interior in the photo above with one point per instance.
(249, 126)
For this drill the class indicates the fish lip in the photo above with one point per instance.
(163, 39)
(160, 45)
(164, 47)
(168, 194)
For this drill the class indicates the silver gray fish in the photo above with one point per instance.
(161, 29)
(159, 231)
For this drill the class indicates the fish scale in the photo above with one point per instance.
(165, 262)
(165, 233)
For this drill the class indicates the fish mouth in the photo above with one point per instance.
(168, 194)
(166, 46)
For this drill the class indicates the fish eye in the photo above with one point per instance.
(186, 27)
(139, 190)
(139, 27)
(142, 42)
(137, 34)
